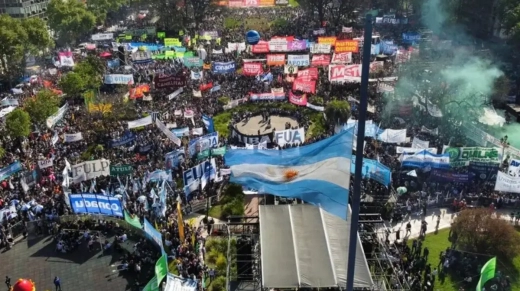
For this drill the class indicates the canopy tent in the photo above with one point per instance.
(304, 246)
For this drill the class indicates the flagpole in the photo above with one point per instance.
(356, 197)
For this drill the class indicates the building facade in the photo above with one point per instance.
(24, 8)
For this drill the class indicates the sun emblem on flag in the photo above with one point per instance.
(290, 174)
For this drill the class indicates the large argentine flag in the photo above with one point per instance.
(318, 173)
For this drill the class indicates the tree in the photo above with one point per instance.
(2, 152)
(69, 20)
(43, 105)
(18, 123)
(17, 38)
(100, 8)
(337, 112)
(91, 70)
(333, 11)
(219, 284)
(72, 84)
(481, 231)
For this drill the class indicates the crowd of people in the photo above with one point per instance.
(46, 196)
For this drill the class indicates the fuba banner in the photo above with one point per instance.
(96, 204)
(224, 68)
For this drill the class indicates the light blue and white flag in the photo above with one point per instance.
(318, 173)
(425, 159)
(208, 123)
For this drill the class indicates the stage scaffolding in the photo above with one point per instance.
(373, 233)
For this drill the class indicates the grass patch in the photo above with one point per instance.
(439, 242)
(256, 23)
(216, 211)
(294, 3)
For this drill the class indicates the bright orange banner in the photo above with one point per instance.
(139, 91)
(266, 3)
(327, 40)
(346, 46)
(206, 66)
(276, 60)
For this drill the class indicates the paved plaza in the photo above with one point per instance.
(255, 123)
(36, 259)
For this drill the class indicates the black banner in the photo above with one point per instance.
(252, 139)
(169, 81)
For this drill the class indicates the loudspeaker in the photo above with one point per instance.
(244, 260)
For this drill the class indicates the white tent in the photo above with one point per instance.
(304, 246)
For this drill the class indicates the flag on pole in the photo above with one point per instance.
(133, 220)
(161, 268)
(180, 222)
(487, 273)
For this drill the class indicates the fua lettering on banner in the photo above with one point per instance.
(90, 170)
(290, 136)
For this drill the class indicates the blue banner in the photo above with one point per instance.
(179, 49)
(373, 170)
(174, 159)
(484, 171)
(425, 159)
(411, 38)
(223, 68)
(376, 49)
(388, 48)
(96, 204)
(119, 79)
(202, 173)
(128, 137)
(113, 63)
(208, 123)
(153, 234)
(180, 132)
(10, 170)
(448, 176)
(203, 143)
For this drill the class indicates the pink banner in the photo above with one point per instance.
(320, 60)
(252, 69)
(304, 86)
(308, 74)
(300, 100)
(251, 3)
(297, 45)
(261, 48)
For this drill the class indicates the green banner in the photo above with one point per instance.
(161, 268)
(214, 152)
(121, 170)
(460, 157)
(487, 273)
(161, 34)
(152, 285)
(133, 221)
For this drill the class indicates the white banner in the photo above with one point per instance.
(288, 69)
(53, 119)
(197, 131)
(90, 170)
(188, 113)
(9, 102)
(278, 45)
(298, 60)
(141, 56)
(119, 79)
(140, 122)
(72, 137)
(160, 125)
(289, 136)
(421, 144)
(103, 36)
(514, 168)
(42, 164)
(174, 283)
(341, 58)
(506, 183)
(197, 93)
(401, 150)
(393, 136)
(175, 93)
(320, 48)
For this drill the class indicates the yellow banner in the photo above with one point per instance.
(102, 107)
(327, 40)
(180, 222)
(172, 42)
(169, 53)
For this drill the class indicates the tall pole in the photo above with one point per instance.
(362, 110)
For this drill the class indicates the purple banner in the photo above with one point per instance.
(444, 176)
(297, 45)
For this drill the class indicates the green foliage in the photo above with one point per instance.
(231, 23)
(219, 284)
(91, 70)
(223, 100)
(279, 23)
(233, 201)
(337, 111)
(318, 125)
(18, 123)
(221, 123)
(100, 8)
(72, 84)
(17, 38)
(2, 152)
(43, 105)
(316, 100)
(70, 20)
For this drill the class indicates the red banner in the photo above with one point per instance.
(320, 60)
(236, 3)
(298, 99)
(342, 58)
(252, 69)
(204, 87)
(304, 86)
(308, 74)
(276, 60)
(261, 48)
(287, 38)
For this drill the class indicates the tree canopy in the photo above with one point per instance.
(18, 123)
(480, 231)
(337, 111)
(43, 105)
(100, 8)
(17, 39)
(69, 20)
(87, 74)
